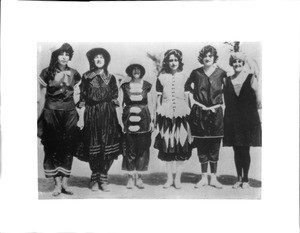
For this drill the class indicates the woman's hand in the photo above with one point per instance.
(152, 127)
(122, 126)
(80, 123)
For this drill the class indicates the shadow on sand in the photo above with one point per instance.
(158, 178)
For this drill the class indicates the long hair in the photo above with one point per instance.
(165, 65)
(54, 58)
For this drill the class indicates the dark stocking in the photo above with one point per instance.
(204, 167)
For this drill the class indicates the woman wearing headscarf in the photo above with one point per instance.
(57, 124)
(242, 127)
(101, 132)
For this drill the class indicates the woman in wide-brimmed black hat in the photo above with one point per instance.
(102, 132)
(57, 124)
(138, 124)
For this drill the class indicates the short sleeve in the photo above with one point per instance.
(43, 78)
(159, 87)
(122, 87)
(189, 81)
(224, 77)
(148, 86)
(82, 87)
(114, 90)
(77, 77)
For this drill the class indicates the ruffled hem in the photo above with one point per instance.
(165, 110)
(174, 135)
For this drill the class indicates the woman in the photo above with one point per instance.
(57, 124)
(242, 127)
(138, 124)
(101, 131)
(173, 139)
(206, 118)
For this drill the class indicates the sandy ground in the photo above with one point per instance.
(156, 177)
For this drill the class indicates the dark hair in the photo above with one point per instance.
(205, 50)
(54, 58)
(165, 65)
(64, 48)
(91, 54)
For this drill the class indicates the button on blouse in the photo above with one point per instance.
(171, 87)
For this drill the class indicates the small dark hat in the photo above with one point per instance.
(64, 48)
(91, 54)
(130, 68)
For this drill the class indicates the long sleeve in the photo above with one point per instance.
(82, 90)
(114, 91)
(42, 78)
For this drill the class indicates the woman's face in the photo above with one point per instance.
(63, 58)
(208, 59)
(99, 61)
(136, 73)
(238, 65)
(173, 62)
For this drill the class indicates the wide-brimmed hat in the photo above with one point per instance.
(64, 48)
(91, 54)
(130, 68)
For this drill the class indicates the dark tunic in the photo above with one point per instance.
(57, 125)
(241, 122)
(136, 115)
(208, 92)
(101, 132)
(136, 118)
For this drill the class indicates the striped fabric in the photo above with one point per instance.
(59, 171)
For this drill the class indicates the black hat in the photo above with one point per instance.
(64, 48)
(130, 68)
(91, 54)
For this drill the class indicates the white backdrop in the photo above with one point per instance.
(275, 24)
